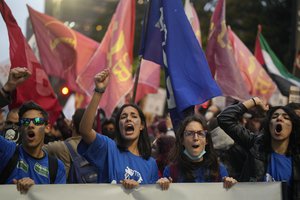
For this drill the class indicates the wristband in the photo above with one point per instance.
(254, 101)
(99, 90)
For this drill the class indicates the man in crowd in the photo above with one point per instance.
(27, 164)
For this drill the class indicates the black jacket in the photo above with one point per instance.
(256, 163)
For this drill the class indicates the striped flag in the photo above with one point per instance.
(273, 65)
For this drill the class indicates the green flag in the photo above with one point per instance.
(273, 65)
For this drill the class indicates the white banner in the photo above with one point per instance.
(177, 191)
(155, 103)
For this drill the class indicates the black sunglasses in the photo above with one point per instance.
(38, 121)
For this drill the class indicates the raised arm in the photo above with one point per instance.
(88, 134)
(228, 120)
(255, 101)
(16, 76)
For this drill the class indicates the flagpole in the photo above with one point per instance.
(137, 73)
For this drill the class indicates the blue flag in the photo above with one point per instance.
(169, 40)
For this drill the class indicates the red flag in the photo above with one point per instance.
(63, 52)
(115, 52)
(258, 81)
(221, 59)
(148, 80)
(37, 87)
(81, 100)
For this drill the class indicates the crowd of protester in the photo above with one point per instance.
(248, 141)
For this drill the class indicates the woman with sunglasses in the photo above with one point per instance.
(194, 159)
(127, 159)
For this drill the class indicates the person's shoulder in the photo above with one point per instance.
(54, 146)
(150, 161)
(74, 141)
(107, 140)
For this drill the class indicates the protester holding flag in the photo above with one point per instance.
(127, 159)
(16, 76)
(272, 155)
(194, 158)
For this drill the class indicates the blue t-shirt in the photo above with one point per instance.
(199, 174)
(115, 165)
(279, 168)
(28, 166)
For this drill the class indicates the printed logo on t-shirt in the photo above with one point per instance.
(41, 170)
(269, 178)
(133, 174)
(23, 166)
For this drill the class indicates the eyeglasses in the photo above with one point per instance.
(38, 121)
(201, 133)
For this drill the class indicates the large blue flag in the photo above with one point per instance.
(169, 40)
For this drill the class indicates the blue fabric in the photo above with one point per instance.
(279, 168)
(188, 78)
(36, 169)
(199, 174)
(115, 165)
(7, 149)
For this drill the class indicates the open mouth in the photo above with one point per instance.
(195, 146)
(129, 128)
(30, 135)
(278, 128)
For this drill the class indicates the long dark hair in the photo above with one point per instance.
(144, 145)
(294, 139)
(185, 166)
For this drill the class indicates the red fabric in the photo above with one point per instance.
(37, 87)
(63, 52)
(115, 52)
(257, 79)
(81, 100)
(221, 59)
(258, 52)
(149, 79)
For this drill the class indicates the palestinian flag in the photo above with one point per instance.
(274, 67)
